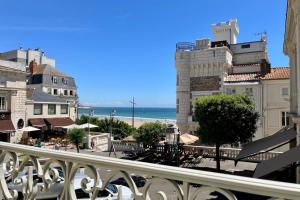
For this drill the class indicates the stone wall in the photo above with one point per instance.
(207, 83)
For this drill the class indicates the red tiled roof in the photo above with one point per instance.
(278, 73)
(38, 122)
(241, 77)
(6, 125)
(60, 122)
(275, 74)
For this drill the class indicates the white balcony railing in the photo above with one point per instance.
(14, 158)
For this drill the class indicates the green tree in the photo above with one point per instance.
(119, 128)
(76, 136)
(225, 119)
(149, 134)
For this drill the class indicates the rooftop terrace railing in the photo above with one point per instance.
(185, 46)
(14, 158)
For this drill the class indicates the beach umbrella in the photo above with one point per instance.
(88, 125)
(72, 126)
(29, 129)
(187, 138)
(129, 138)
(184, 138)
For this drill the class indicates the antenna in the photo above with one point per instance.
(263, 35)
(20, 46)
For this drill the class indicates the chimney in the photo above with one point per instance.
(33, 67)
(265, 67)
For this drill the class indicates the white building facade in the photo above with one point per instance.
(291, 48)
(12, 100)
(26, 56)
(224, 66)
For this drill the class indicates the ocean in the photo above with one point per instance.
(139, 112)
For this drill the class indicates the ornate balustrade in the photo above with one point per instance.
(228, 153)
(15, 158)
(206, 151)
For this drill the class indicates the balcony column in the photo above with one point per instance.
(296, 119)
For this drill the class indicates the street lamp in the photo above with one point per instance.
(91, 113)
(177, 145)
(111, 117)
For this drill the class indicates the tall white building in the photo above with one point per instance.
(26, 56)
(225, 66)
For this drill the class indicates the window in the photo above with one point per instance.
(49, 90)
(65, 81)
(65, 92)
(55, 91)
(230, 91)
(284, 92)
(177, 106)
(64, 109)
(38, 109)
(177, 79)
(249, 91)
(285, 121)
(3, 103)
(54, 79)
(245, 46)
(71, 92)
(51, 109)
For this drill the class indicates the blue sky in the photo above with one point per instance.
(117, 49)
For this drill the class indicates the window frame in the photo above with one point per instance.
(282, 93)
(245, 46)
(230, 91)
(54, 91)
(34, 109)
(249, 91)
(67, 109)
(3, 107)
(285, 120)
(49, 113)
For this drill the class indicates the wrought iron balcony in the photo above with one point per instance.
(14, 158)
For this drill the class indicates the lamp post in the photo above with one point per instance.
(177, 145)
(91, 113)
(111, 117)
(112, 114)
(133, 104)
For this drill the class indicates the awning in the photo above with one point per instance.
(6, 125)
(269, 143)
(59, 122)
(278, 162)
(38, 122)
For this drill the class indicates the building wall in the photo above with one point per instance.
(30, 114)
(226, 31)
(198, 71)
(240, 88)
(14, 87)
(26, 56)
(274, 102)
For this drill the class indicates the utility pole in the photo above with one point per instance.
(133, 103)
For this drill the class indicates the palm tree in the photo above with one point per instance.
(76, 136)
